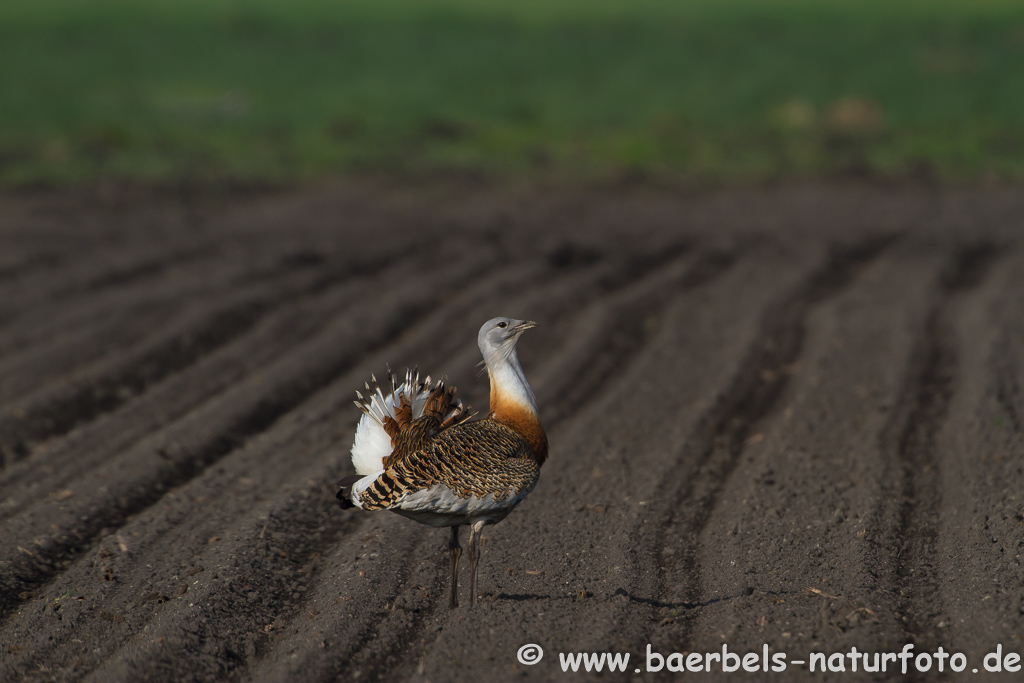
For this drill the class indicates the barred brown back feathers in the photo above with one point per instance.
(479, 459)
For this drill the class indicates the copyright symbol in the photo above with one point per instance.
(530, 654)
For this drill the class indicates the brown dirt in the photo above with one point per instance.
(788, 416)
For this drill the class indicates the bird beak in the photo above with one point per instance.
(524, 325)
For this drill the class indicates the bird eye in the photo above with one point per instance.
(503, 324)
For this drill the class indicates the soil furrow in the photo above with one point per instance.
(102, 251)
(979, 454)
(791, 517)
(57, 464)
(137, 265)
(90, 315)
(635, 318)
(38, 362)
(1006, 375)
(691, 489)
(95, 326)
(178, 453)
(1007, 393)
(52, 411)
(85, 276)
(16, 266)
(906, 527)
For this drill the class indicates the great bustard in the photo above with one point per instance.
(417, 453)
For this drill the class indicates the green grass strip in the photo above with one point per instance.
(269, 90)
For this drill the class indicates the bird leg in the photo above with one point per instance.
(456, 551)
(474, 558)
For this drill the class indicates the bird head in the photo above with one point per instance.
(498, 337)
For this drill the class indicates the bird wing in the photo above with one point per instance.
(390, 426)
(471, 459)
(409, 436)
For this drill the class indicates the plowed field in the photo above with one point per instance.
(789, 417)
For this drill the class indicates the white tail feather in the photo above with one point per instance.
(370, 447)
(372, 444)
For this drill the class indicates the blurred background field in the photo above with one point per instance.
(286, 91)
